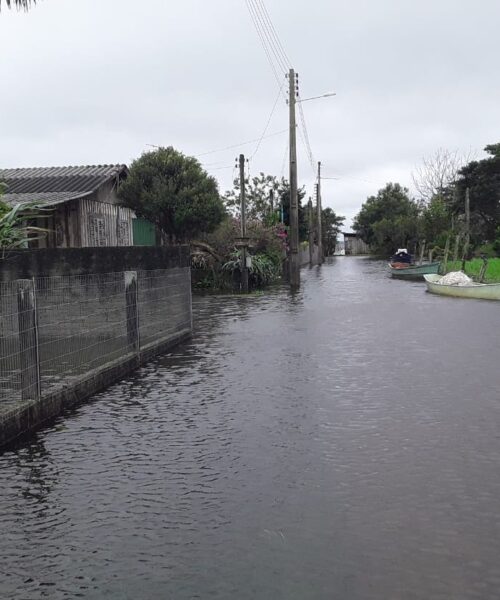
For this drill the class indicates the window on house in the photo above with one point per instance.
(97, 231)
(123, 233)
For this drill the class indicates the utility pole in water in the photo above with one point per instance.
(320, 224)
(244, 269)
(294, 204)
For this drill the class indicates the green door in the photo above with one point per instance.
(144, 233)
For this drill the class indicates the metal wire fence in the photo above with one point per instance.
(56, 330)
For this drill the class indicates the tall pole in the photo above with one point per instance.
(311, 231)
(467, 218)
(244, 270)
(320, 224)
(294, 204)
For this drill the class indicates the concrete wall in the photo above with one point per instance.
(55, 262)
(73, 321)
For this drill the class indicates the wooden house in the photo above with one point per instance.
(354, 245)
(85, 206)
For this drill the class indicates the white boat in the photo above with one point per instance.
(484, 291)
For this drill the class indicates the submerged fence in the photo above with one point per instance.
(55, 331)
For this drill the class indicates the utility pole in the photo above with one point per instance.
(311, 231)
(320, 224)
(294, 204)
(244, 270)
(467, 218)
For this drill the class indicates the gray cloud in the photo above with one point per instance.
(92, 81)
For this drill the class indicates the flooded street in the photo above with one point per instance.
(343, 442)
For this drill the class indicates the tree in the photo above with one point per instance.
(15, 228)
(174, 192)
(437, 172)
(482, 178)
(330, 228)
(388, 220)
(435, 222)
(258, 193)
(258, 201)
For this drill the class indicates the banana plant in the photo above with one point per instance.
(15, 231)
(19, 3)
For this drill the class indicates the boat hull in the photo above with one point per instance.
(480, 291)
(415, 271)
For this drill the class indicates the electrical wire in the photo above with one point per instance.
(287, 149)
(274, 33)
(241, 143)
(262, 40)
(266, 27)
(305, 137)
(268, 121)
(270, 41)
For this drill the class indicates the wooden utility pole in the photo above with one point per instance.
(244, 270)
(294, 203)
(318, 217)
(311, 231)
(467, 218)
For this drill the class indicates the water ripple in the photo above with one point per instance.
(341, 442)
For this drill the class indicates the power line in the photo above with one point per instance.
(287, 147)
(220, 168)
(268, 121)
(241, 143)
(371, 181)
(306, 138)
(275, 34)
(262, 40)
(266, 29)
(269, 38)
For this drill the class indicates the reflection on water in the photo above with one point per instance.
(341, 442)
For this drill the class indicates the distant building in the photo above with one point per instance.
(86, 210)
(354, 245)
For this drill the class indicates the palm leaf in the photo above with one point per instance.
(26, 4)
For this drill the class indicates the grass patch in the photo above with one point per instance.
(472, 268)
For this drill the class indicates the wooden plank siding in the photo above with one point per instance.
(103, 224)
(85, 223)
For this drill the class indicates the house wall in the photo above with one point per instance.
(96, 220)
(104, 224)
(355, 246)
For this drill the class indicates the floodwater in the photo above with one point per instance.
(340, 443)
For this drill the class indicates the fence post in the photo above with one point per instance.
(28, 339)
(132, 310)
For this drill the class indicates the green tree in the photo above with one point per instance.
(15, 228)
(388, 220)
(330, 228)
(483, 180)
(261, 197)
(174, 192)
(435, 221)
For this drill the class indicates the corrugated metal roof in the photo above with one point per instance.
(53, 185)
(49, 198)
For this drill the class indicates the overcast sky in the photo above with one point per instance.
(96, 81)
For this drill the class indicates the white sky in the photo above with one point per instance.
(96, 81)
